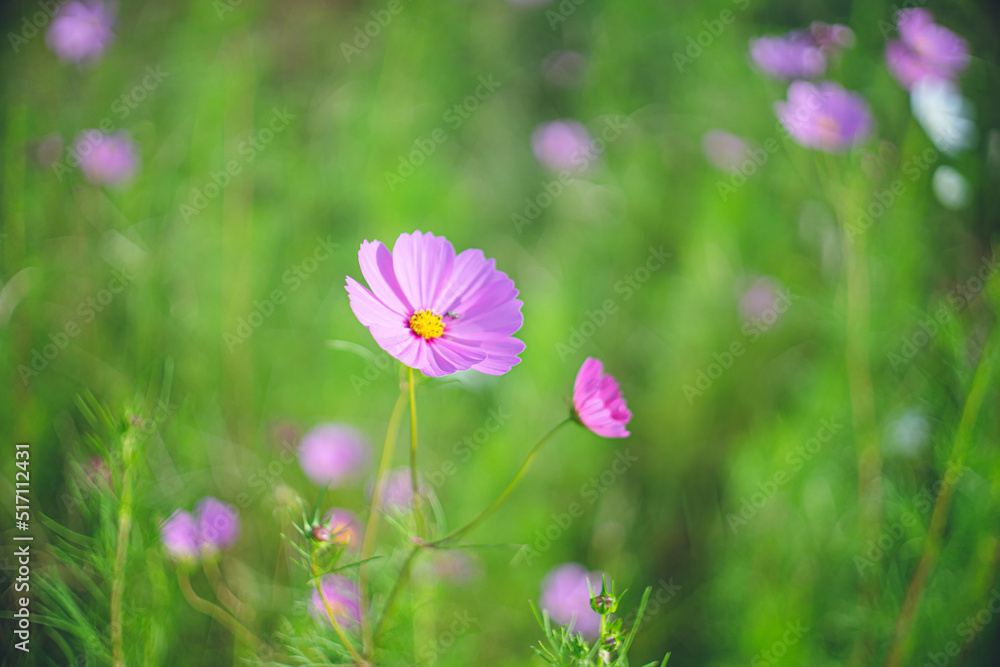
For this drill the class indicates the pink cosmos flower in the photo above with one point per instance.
(106, 159)
(436, 311)
(562, 145)
(598, 403)
(333, 454)
(566, 596)
(180, 536)
(81, 31)
(725, 150)
(396, 490)
(825, 116)
(343, 526)
(343, 599)
(218, 524)
(925, 50)
(800, 54)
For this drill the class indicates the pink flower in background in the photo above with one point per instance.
(566, 596)
(450, 565)
(792, 56)
(562, 144)
(436, 311)
(180, 536)
(598, 403)
(396, 490)
(925, 50)
(800, 54)
(343, 526)
(218, 524)
(831, 38)
(724, 150)
(564, 68)
(342, 599)
(759, 299)
(106, 159)
(825, 116)
(81, 31)
(333, 454)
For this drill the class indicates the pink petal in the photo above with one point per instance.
(368, 309)
(376, 266)
(423, 264)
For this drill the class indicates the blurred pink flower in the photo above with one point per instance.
(396, 490)
(450, 565)
(800, 54)
(333, 454)
(180, 536)
(925, 50)
(218, 524)
(81, 31)
(343, 526)
(342, 599)
(106, 159)
(564, 68)
(598, 403)
(724, 150)
(436, 311)
(759, 299)
(566, 596)
(825, 116)
(562, 144)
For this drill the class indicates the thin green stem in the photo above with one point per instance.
(503, 496)
(397, 588)
(215, 611)
(121, 550)
(358, 660)
(854, 244)
(404, 572)
(932, 545)
(414, 476)
(223, 592)
(368, 544)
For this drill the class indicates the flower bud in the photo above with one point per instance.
(321, 533)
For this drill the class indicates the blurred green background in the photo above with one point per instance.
(352, 117)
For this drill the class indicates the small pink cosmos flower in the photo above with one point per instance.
(925, 50)
(825, 116)
(436, 311)
(218, 524)
(343, 526)
(107, 159)
(81, 31)
(334, 454)
(562, 145)
(598, 403)
(180, 536)
(566, 596)
(396, 490)
(341, 595)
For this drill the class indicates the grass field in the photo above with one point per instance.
(807, 341)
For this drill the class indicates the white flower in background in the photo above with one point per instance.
(951, 188)
(908, 433)
(945, 115)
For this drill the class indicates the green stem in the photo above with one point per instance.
(932, 546)
(404, 572)
(358, 660)
(216, 612)
(121, 551)
(414, 476)
(503, 496)
(368, 545)
(397, 588)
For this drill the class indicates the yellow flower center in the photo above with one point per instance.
(427, 323)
